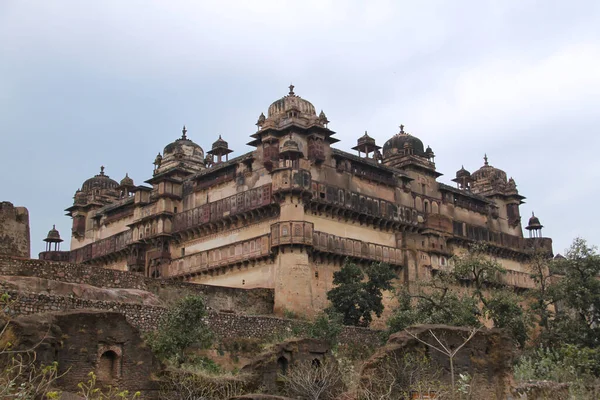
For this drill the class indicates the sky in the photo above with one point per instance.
(91, 83)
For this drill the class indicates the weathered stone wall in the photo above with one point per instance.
(250, 301)
(146, 317)
(14, 230)
(85, 341)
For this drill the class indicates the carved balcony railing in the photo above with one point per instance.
(101, 248)
(360, 204)
(235, 253)
(327, 243)
(229, 206)
(291, 232)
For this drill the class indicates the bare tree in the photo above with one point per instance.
(316, 380)
(445, 348)
(21, 376)
(185, 385)
(401, 377)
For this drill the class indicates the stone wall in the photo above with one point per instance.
(14, 230)
(85, 341)
(146, 318)
(249, 301)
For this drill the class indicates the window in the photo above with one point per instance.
(182, 251)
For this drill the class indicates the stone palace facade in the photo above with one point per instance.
(287, 214)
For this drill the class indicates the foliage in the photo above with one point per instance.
(89, 391)
(442, 300)
(195, 363)
(178, 384)
(437, 302)
(182, 326)
(326, 327)
(575, 366)
(576, 295)
(355, 298)
(313, 380)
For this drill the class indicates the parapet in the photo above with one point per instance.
(14, 230)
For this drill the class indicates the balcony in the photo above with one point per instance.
(292, 232)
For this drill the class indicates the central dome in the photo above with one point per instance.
(100, 181)
(291, 102)
(397, 143)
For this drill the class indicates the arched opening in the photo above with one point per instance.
(282, 365)
(108, 366)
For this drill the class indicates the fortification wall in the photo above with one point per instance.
(250, 301)
(146, 317)
(14, 230)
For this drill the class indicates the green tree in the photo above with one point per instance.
(576, 295)
(182, 326)
(356, 298)
(444, 299)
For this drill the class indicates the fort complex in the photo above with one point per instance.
(286, 215)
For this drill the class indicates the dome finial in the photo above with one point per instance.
(485, 159)
(401, 129)
(102, 170)
(291, 90)
(183, 133)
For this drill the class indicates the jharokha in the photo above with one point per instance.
(287, 214)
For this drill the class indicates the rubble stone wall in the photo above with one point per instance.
(147, 317)
(249, 301)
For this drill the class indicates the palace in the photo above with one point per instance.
(287, 214)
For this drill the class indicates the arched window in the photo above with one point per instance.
(109, 367)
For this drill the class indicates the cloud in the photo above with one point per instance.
(90, 83)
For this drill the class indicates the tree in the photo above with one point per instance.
(576, 295)
(443, 300)
(356, 298)
(182, 326)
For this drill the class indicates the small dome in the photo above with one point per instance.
(399, 141)
(534, 223)
(127, 181)
(220, 144)
(462, 172)
(53, 235)
(100, 181)
(289, 102)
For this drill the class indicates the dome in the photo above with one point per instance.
(489, 172)
(462, 172)
(397, 143)
(220, 144)
(127, 181)
(98, 182)
(182, 150)
(291, 102)
(183, 146)
(534, 223)
(53, 235)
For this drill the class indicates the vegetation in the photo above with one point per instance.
(182, 326)
(355, 298)
(316, 380)
(445, 300)
(90, 391)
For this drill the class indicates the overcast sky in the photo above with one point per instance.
(90, 83)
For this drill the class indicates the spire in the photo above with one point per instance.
(183, 133)
(401, 130)
(485, 159)
(291, 90)
(102, 170)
